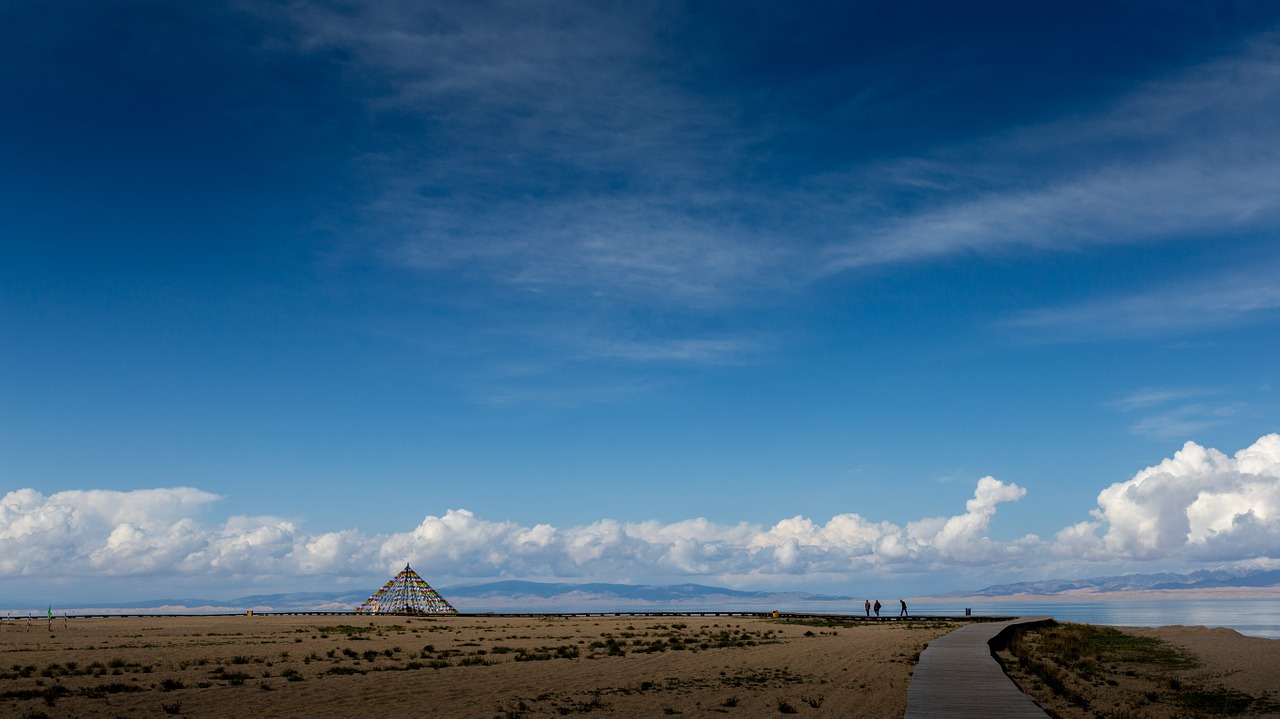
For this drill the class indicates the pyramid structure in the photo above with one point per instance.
(406, 593)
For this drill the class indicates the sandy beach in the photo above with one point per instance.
(273, 666)
(283, 666)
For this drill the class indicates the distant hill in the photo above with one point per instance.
(296, 601)
(1203, 579)
(600, 596)
(519, 596)
(603, 597)
(629, 592)
(491, 596)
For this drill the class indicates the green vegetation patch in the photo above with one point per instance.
(1076, 643)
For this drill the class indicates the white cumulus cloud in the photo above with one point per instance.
(98, 531)
(148, 532)
(1200, 505)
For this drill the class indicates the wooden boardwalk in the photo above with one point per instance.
(958, 677)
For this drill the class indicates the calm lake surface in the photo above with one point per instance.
(1254, 617)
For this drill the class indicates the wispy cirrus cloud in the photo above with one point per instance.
(1186, 420)
(557, 160)
(701, 350)
(1224, 299)
(1112, 205)
(1177, 412)
(1178, 157)
(1153, 396)
(558, 147)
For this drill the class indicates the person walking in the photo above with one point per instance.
(903, 613)
(876, 607)
(867, 606)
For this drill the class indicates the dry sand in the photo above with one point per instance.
(345, 666)
(1250, 665)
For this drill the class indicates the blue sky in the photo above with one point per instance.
(292, 293)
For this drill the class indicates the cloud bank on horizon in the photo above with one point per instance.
(1198, 506)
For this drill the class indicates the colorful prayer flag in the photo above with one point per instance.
(406, 593)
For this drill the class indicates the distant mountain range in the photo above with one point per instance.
(515, 590)
(523, 596)
(492, 596)
(602, 597)
(296, 601)
(1200, 580)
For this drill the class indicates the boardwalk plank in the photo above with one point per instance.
(957, 677)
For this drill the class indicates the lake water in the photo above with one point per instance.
(1254, 617)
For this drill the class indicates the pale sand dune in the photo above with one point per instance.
(240, 666)
(1245, 664)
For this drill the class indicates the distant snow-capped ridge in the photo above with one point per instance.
(1164, 581)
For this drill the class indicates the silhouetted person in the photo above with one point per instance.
(876, 607)
(867, 605)
(903, 613)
